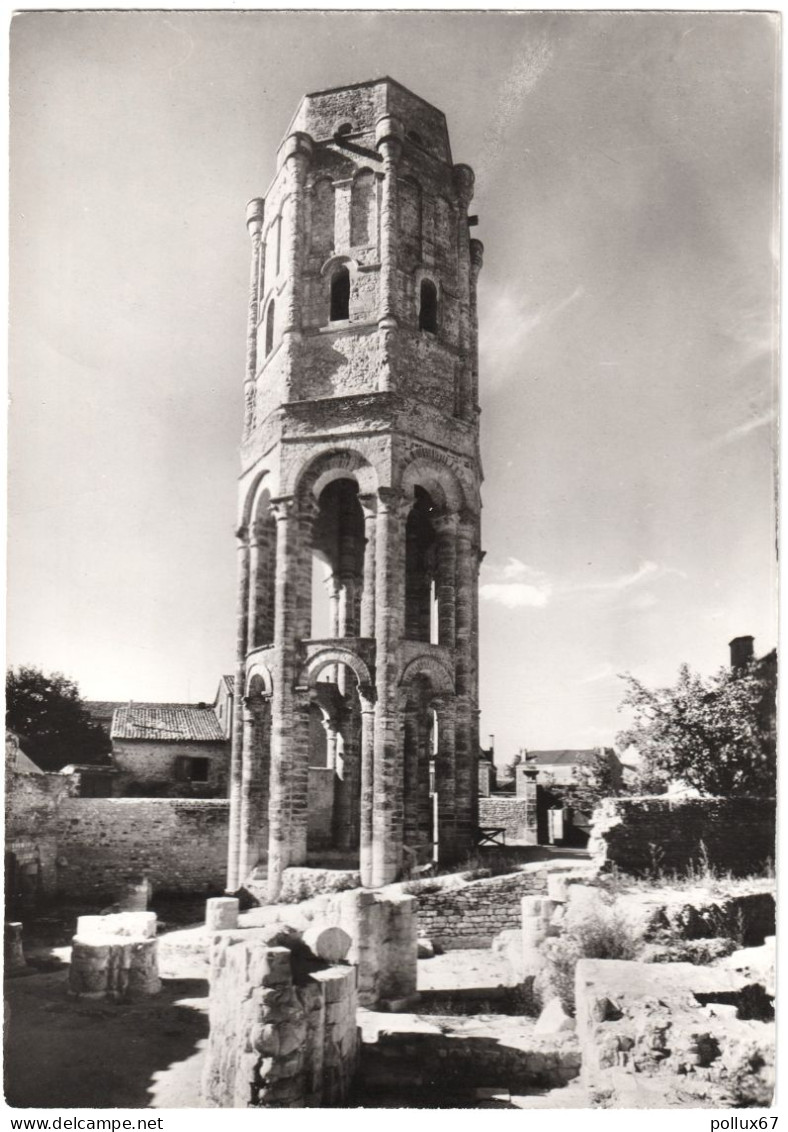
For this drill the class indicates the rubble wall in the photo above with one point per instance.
(279, 1037)
(648, 834)
(180, 844)
(473, 914)
(516, 815)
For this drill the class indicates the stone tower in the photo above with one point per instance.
(356, 726)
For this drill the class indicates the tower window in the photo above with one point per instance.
(340, 295)
(428, 307)
(269, 329)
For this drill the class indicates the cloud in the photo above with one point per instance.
(509, 318)
(516, 586)
(738, 431)
(646, 570)
(531, 61)
(515, 595)
(604, 672)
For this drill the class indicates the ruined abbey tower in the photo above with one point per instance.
(356, 731)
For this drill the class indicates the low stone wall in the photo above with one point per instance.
(516, 815)
(641, 835)
(281, 1035)
(424, 1057)
(472, 914)
(180, 844)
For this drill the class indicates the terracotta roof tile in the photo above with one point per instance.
(168, 722)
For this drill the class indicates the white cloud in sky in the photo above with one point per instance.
(515, 595)
(734, 434)
(517, 585)
(604, 672)
(509, 318)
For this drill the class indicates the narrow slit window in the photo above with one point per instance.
(428, 307)
(269, 329)
(340, 295)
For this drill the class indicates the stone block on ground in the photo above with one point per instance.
(425, 948)
(301, 883)
(221, 913)
(117, 924)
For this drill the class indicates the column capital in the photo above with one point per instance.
(283, 507)
(369, 505)
(298, 145)
(446, 522)
(392, 500)
(255, 213)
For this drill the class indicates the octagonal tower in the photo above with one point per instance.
(356, 728)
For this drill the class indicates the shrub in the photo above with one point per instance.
(603, 934)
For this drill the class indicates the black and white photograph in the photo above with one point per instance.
(391, 677)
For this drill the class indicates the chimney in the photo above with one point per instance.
(492, 745)
(741, 651)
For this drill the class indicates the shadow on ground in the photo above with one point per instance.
(63, 1052)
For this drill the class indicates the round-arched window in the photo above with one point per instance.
(428, 306)
(340, 295)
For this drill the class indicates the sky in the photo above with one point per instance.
(626, 192)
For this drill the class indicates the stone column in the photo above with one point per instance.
(369, 507)
(298, 783)
(389, 587)
(255, 596)
(410, 774)
(366, 699)
(445, 785)
(280, 848)
(477, 258)
(465, 759)
(242, 608)
(254, 788)
(388, 134)
(296, 157)
(464, 183)
(255, 211)
(446, 528)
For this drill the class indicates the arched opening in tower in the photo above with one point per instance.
(421, 616)
(334, 784)
(269, 328)
(337, 562)
(420, 738)
(428, 306)
(262, 589)
(340, 295)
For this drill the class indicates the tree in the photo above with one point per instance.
(599, 779)
(50, 718)
(717, 734)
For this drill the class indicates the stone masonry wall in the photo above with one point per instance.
(472, 915)
(382, 926)
(181, 844)
(31, 802)
(281, 1035)
(516, 815)
(641, 835)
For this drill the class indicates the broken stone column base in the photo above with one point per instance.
(14, 956)
(115, 956)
